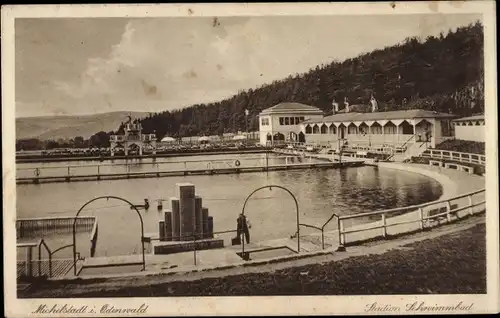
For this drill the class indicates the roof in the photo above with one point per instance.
(292, 107)
(398, 114)
(471, 118)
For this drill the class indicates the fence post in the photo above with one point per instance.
(448, 209)
(29, 260)
(69, 174)
(50, 263)
(471, 209)
(322, 239)
(340, 226)
(98, 171)
(421, 215)
(384, 228)
(40, 259)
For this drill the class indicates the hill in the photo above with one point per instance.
(443, 73)
(66, 127)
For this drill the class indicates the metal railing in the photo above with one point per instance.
(426, 213)
(462, 157)
(402, 146)
(29, 227)
(145, 167)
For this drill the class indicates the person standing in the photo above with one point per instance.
(242, 227)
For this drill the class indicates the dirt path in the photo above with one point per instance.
(102, 287)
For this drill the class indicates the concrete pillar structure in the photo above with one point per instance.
(168, 225)
(161, 230)
(186, 194)
(198, 210)
(210, 233)
(204, 212)
(176, 219)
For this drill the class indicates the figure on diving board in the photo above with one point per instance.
(144, 206)
(242, 227)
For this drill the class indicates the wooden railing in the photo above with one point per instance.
(462, 157)
(408, 219)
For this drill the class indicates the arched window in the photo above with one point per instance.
(376, 129)
(363, 129)
(352, 129)
(308, 129)
(324, 129)
(332, 130)
(390, 128)
(315, 129)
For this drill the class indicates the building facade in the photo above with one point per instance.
(282, 123)
(470, 128)
(378, 129)
(133, 140)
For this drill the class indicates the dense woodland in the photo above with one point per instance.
(444, 73)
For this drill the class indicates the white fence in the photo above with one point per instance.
(393, 222)
(455, 156)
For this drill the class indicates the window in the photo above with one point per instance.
(292, 120)
(376, 129)
(287, 121)
(282, 121)
(264, 121)
(352, 129)
(390, 129)
(324, 129)
(308, 129)
(297, 120)
(315, 129)
(302, 119)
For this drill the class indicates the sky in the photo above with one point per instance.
(73, 66)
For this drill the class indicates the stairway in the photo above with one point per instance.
(412, 150)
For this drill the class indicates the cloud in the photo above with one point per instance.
(163, 63)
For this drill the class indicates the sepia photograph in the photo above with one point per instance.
(199, 151)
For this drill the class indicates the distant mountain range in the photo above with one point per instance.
(66, 127)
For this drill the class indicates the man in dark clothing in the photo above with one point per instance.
(242, 227)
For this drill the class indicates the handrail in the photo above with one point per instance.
(404, 144)
(133, 163)
(448, 211)
(55, 218)
(49, 252)
(454, 155)
(411, 207)
(459, 152)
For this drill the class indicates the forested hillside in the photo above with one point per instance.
(442, 73)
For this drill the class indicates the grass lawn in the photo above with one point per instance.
(453, 263)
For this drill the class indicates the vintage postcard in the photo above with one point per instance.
(250, 159)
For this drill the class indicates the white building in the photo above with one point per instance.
(281, 123)
(376, 129)
(470, 128)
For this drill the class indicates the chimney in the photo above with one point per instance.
(346, 103)
(374, 103)
(335, 106)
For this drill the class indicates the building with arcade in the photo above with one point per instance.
(379, 129)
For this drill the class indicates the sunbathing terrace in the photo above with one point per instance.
(379, 129)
